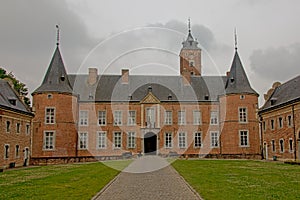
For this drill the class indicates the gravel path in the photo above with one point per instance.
(149, 177)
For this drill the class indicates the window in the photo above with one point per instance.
(291, 145)
(18, 127)
(244, 139)
(50, 116)
(281, 143)
(131, 117)
(117, 118)
(289, 118)
(191, 62)
(214, 139)
(181, 117)
(197, 117)
(102, 118)
(272, 124)
(273, 145)
(150, 117)
(6, 151)
(242, 97)
(49, 140)
(27, 128)
(101, 140)
(280, 122)
(117, 140)
(131, 139)
(264, 126)
(49, 96)
(168, 117)
(83, 141)
(168, 140)
(214, 118)
(242, 114)
(7, 126)
(198, 140)
(17, 151)
(182, 140)
(83, 117)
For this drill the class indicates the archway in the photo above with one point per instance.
(150, 143)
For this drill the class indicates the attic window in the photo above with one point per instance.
(169, 97)
(49, 96)
(62, 78)
(242, 97)
(91, 96)
(149, 88)
(206, 97)
(273, 101)
(12, 101)
(231, 79)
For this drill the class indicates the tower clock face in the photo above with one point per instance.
(191, 56)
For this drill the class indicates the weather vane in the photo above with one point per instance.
(57, 35)
(235, 39)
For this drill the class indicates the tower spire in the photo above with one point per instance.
(57, 34)
(235, 40)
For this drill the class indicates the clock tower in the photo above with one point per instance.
(190, 56)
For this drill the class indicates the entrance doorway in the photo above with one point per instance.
(150, 143)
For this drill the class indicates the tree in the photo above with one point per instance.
(20, 87)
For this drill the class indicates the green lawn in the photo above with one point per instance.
(73, 181)
(241, 179)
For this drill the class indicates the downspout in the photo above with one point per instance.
(294, 127)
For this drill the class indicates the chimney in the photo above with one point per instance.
(93, 76)
(125, 76)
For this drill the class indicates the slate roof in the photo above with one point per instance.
(190, 42)
(111, 88)
(7, 94)
(237, 82)
(284, 94)
(56, 78)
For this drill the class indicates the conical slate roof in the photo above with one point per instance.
(56, 78)
(237, 81)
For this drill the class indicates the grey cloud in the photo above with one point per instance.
(276, 64)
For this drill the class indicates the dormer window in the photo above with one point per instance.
(231, 79)
(273, 101)
(62, 78)
(13, 102)
(149, 88)
(169, 97)
(206, 97)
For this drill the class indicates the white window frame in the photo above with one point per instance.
(214, 118)
(168, 143)
(243, 114)
(131, 118)
(281, 145)
(83, 140)
(102, 118)
(195, 139)
(6, 152)
(214, 139)
(242, 138)
(197, 117)
(50, 116)
(150, 116)
(119, 140)
(131, 140)
(45, 138)
(181, 117)
(118, 118)
(168, 117)
(102, 140)
(83, 118)
(182, 140)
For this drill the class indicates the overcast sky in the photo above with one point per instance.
(146, 36)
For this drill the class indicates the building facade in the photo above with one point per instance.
(84, 117)
(15, 128)
(280, 121)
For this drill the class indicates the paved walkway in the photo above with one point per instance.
(149, 177)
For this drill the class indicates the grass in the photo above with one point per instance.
(241, 179)
(73, 181)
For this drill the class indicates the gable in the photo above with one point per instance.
(150, 99)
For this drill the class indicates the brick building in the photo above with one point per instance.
(280, 121)
(80, 116)
(15, 128)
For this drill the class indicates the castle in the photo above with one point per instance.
(81, 117)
